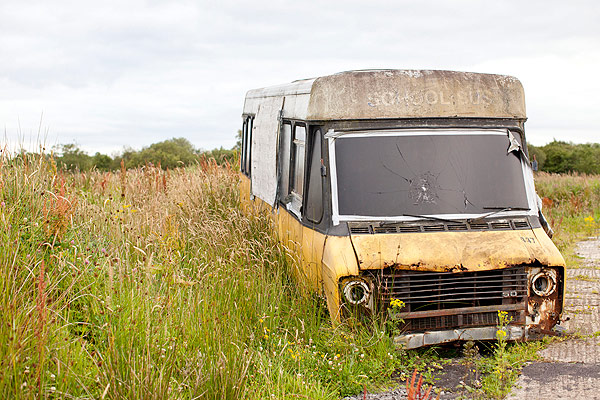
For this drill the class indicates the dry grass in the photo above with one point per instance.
(571, 206)
(152, 284)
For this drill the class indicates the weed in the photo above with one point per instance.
(571, 203)
(414, 391)
(470, 386)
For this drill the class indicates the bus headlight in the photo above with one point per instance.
(544, 283)
(356, 292)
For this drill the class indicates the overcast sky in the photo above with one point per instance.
(108, 74)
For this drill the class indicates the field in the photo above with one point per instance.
(571, 204)
(152, 284)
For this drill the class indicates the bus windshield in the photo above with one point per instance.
(399, 173)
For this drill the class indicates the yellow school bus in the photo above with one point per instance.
(412, 186)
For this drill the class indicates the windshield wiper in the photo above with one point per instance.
(497, 210)
(388, 223)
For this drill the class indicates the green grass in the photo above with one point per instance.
(166, 292)
(572, 207)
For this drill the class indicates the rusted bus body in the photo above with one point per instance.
(408, 185)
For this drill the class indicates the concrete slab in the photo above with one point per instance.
(557, 381)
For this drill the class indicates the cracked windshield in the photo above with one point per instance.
(386, 175)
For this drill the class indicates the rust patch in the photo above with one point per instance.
(545, 311)
(456, 268)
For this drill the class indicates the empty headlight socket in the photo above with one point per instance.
(357, 291)
(544, 282)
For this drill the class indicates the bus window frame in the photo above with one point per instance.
(250, 126)
(246, 146)
(243, 146)
(315, 138)
(284, 187)
(291, 200)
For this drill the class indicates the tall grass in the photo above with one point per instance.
(153, 284)
(571, 206)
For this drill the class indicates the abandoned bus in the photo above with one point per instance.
(407, 185)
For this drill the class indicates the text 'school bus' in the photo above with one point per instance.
(409, 185)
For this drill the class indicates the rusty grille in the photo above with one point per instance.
(424, 291)
(494, 225)
(440, 300)
(457, 321)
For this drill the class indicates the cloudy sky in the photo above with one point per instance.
(109, 74)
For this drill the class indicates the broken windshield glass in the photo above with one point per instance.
(449, 172)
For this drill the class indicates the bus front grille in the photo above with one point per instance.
(441, 300)
(459, 321)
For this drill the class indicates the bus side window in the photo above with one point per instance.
(297, 177)
(284, 153)
(248, 156)
(243, 148)
(314, 189)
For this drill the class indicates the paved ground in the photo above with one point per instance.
(572, 368)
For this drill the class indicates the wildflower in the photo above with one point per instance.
(261, 320)
(397, 303)
(500, 334)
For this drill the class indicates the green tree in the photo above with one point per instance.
(559, 157)
(172, 153)
(102, 162)
(586, 158)
(71, 157)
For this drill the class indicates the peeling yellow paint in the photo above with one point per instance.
(455, 251)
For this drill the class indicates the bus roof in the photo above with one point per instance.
(389, 94)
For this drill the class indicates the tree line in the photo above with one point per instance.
(565, 157)
(168, 154)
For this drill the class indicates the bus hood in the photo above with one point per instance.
(455, 251)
